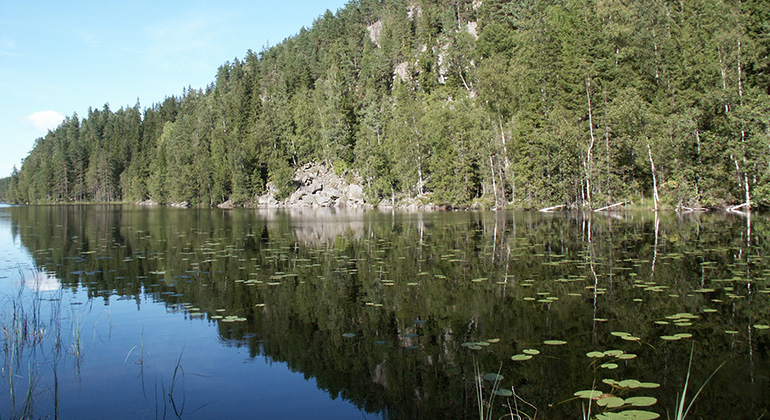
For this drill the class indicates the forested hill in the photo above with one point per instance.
(523, 102)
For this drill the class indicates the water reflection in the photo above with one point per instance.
(41, 281)
(386, 310)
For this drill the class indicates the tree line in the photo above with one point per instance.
(459, 102)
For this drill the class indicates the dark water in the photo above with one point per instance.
(125, 312)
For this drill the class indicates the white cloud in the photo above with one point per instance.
(43, 121)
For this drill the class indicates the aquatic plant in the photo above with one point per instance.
(681, 412)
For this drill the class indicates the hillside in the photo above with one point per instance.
(519, 103)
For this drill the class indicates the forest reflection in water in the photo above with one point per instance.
(392, 311)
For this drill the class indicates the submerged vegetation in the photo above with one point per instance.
(492, 103)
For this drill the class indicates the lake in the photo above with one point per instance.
(129, 312)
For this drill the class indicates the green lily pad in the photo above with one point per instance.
(610, 366)
(503, 392)
(649, 385)
(683, 335)
(520, 357)
(610, 402)
(588, 394)
(613, 353)
(554, 342)
(761, 326)
(641, 401)
(670, 337)
(630, 383)
(493, 377)
(531, 352)
(627, 356)
(620, 334)
(595, 354)
(638, 415)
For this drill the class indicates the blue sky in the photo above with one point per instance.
(58, 58)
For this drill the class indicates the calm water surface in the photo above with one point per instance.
(127, 312)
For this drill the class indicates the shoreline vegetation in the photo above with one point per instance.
(488, 105)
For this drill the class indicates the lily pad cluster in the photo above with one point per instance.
(625, 336)
(478, 345)
(526, 354)
(612, 355)
(611, 406)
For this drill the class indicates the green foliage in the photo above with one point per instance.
(512, 103)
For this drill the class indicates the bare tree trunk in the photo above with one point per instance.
(654, 178)
(494, 184)
(507, 164)
(743, 130)
(589, 159)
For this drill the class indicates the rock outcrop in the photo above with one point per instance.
(317, 186)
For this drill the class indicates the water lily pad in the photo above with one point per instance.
(503, 392)
(630, 384)
(532, 352)
(554, 342)
(620, 334)
(520, 357)
(627, 356)
(493, 377)
(649, 385)
(683, 335)
(610, 366)
(641, 401)
(613, 353)
(631, 338)
(588, 394)
(761, 326)
(595, 354)
(638, 415)
(610, 402)
(670, 337)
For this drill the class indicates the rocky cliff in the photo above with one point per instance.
(317, 186)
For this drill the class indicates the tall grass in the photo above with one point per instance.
(30, 337)
(681, 412)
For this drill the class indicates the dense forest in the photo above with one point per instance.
(462, 102)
